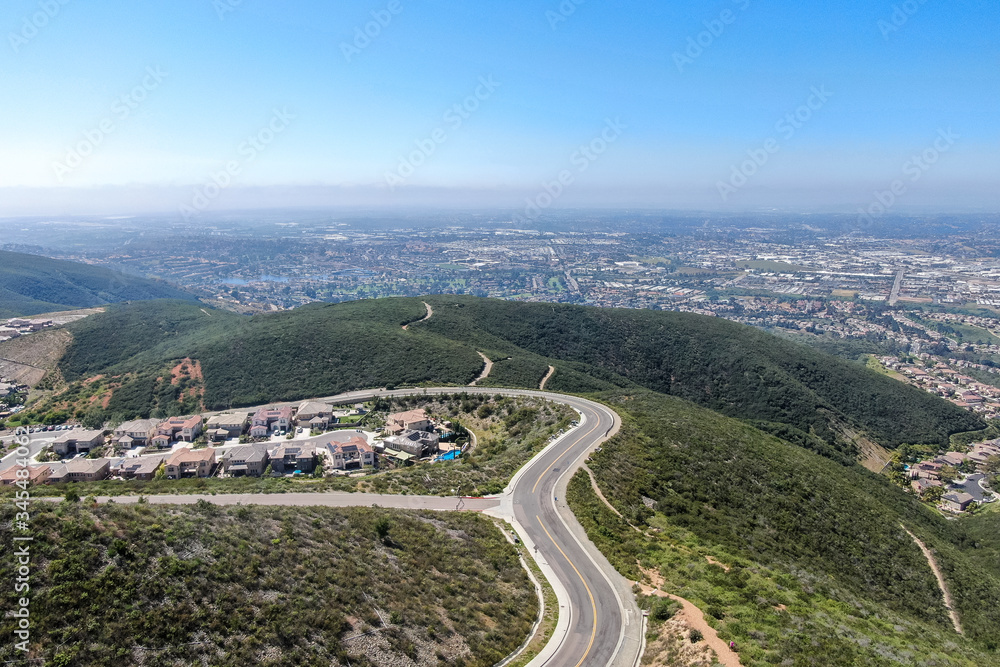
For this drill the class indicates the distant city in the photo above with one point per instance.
(920, 296)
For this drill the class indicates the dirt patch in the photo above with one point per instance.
(942, 584)
(429, 315)
(486, 370)
(27, 359)
(548, 376)
(712, 561)
(693, 618)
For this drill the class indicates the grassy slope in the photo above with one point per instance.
(799, 530)
(267, 586)
(731, 368)
(31, 284)
(323, 349)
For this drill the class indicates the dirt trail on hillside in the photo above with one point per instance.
(486, 369)
(430, 313)
(942, 584)
(552, 371)
(694, 618)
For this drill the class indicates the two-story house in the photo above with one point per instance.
(411, 420)
(353, 454)
(268, 420)
(177, 428)
(246, 460)
(77, 441)
(190, 463)
(294, 457)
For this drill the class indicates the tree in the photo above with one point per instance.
(933, 494)
(992, 466)
(382, 528)
(949, 474)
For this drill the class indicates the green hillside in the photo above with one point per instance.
(788, 389)
(820, 570)
(32, 284)
(205, 585)
(731, 368)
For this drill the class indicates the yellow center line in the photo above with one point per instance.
(539, 480)
(593, 604)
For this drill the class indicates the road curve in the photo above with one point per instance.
(599, 623)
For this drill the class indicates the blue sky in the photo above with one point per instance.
(897, 73)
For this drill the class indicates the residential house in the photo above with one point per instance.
(139, 431)
(80, 470)
(246, 460)
(957, 502)
(35, 475)
(315, 415)
(920, 485)
(972, 398)
(177, 428)
(952, 458)
(142, 468)
(926, 470)
(226, 426)
(77, 441)
(416, 443)
(268, 420)
(411, 420)
(355, 453)
(294, 457)
(191, 463)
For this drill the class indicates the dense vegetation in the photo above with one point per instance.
(32, 284)
(144, 585)
(321, 349)
(728, 367)
(796, 530)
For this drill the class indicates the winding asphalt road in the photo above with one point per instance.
(599, 623)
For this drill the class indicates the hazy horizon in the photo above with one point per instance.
(727, 106)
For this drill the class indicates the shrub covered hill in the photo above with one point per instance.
(32, 284)
(798, 393)
(797, 559)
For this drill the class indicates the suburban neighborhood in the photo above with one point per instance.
(957, 480)
(313, 439)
